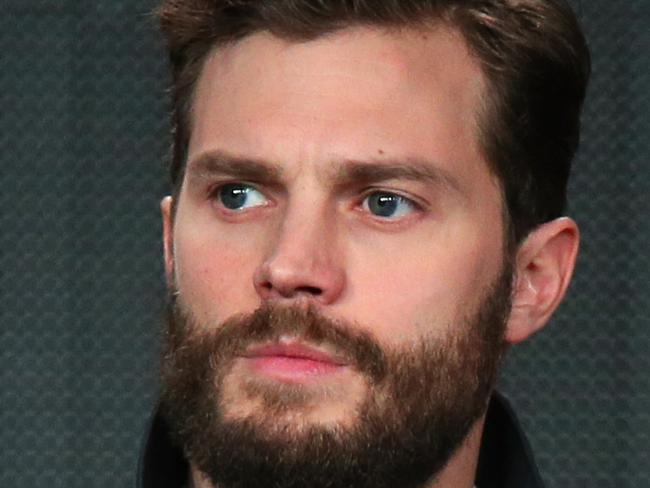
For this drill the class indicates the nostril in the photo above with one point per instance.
(309, 290)
(278, 280)
(268, 288)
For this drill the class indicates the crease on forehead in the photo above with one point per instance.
(389, 64)
(342, 52)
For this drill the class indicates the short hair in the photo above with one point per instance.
(532, 54)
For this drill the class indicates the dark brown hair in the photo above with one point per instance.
(532, 53)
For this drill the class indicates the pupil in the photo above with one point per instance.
(233, 197)
(383, 205)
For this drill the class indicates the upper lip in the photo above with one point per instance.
(293, 349)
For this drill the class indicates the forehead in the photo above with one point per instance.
(348, 95)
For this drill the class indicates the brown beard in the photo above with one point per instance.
(421, 401)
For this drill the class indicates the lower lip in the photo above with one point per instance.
(291, 368)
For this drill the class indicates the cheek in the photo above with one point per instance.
(214, 276)
(426, 290)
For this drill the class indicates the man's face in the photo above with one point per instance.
(339, 179)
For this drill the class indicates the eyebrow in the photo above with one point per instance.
(412, 169)
(213, 163)
(345, 173)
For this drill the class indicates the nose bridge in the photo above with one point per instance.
(305, 229)
(304, 258)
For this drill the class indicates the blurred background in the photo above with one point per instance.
(83, 140)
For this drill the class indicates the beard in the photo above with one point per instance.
(420, 400)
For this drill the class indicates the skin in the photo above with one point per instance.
(308, 113)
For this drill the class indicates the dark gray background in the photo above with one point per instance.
(83, 134)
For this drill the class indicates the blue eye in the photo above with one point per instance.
(388, 205)
(237, 196)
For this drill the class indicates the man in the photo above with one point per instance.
(367, 212)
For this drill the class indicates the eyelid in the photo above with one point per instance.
(416, 208)
(417, 203)
(215, 186)
(214, 190)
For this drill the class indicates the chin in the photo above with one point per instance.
(331, 402)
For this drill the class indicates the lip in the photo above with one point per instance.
(292, 362)
(293, 350)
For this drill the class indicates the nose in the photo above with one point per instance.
(304, 262)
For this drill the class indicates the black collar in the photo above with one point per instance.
(505, 460)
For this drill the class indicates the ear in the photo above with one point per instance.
(544, 266)
(166, 205)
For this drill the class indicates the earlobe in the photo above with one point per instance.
(544, 266)
(166, 205)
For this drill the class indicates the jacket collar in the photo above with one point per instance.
(506, 458)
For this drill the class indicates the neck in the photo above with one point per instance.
(459, 472)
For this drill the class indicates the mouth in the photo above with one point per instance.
(292, 361)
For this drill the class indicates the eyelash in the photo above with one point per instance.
(415, 207)
(214, 194)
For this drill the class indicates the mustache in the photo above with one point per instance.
(267, 324)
